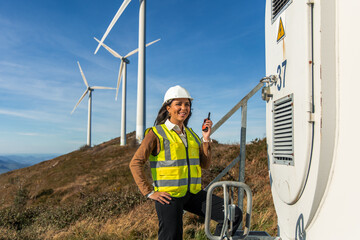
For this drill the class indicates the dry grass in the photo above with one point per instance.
(90, 194)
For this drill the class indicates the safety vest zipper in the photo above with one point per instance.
(187, 160)
(188, 163)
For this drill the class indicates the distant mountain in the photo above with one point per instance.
(7, 165)
(29, 158)
(17, 161)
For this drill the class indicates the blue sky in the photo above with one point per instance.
(215, 49)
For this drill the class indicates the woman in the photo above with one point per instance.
(176, 156)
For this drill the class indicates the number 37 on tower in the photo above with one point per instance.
(281, 71)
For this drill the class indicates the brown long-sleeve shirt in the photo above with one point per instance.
(151, 145)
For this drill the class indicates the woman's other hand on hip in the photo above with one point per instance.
(161, 197)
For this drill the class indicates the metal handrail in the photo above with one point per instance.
(241, 158)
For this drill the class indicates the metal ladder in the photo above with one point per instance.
(228, 186)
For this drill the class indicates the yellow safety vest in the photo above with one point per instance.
(176, 168)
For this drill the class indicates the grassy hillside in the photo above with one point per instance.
(90, 194)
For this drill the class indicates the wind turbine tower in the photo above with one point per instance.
(141, 93)
(123, 72)
(88, 90)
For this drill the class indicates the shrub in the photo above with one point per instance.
(17, 218)
(21, 198)
(84, 147)
(44, 192)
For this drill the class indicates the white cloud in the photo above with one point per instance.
(35, 115)
(28, 134)
(11, 64)
(19, 114)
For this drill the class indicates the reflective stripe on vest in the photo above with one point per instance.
(170, 168)
(174, 163)
(174, 183)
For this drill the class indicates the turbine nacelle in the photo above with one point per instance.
(124, 60)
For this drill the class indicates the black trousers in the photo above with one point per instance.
(171, 215)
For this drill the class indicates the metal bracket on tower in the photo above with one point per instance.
(272, 79)
(269, 81)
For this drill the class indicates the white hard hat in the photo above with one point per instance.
(176, 92)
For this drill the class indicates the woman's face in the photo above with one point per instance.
(179, 110)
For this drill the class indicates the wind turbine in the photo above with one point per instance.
(122, 72)
(140, 111)
(88, 90)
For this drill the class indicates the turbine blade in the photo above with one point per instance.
(119, 78)
(136, 50)
(150, 43)
(81, 98)
(116, 17)
(83, 76)
(115, 54)
(131, 53)
(99, 87)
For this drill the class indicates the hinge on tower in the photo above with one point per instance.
(311, 117)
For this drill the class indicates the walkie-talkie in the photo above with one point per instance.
(204, 128)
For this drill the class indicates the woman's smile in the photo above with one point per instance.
(179, 110)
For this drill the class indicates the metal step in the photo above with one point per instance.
(255, 235)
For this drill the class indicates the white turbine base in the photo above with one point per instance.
(139, 133)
